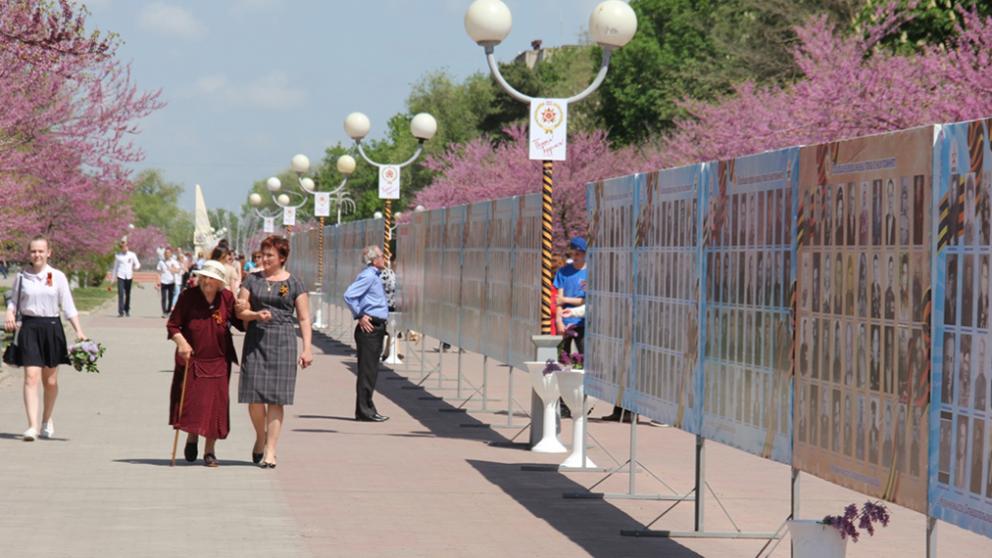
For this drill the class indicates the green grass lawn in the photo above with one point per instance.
(88, 298)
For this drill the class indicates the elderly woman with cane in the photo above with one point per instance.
(200, 326)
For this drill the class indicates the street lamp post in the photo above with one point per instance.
(612, 25)
(346, 166)
(423, 127)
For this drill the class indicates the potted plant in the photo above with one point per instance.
(827, 538)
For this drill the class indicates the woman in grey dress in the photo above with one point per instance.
(266, 303)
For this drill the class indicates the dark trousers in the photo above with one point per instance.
(566, 343)
(369, 347)
(168, 293)
(123, 296)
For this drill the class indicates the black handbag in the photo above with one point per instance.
(12, 355)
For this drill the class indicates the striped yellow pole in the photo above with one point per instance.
(546, 229)
(387, 218)
(320, 255)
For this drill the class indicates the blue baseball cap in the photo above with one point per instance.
(578, 243)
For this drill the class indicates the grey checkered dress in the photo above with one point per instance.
(268, 362)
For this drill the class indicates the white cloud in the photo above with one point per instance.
(272, 91)
(172, 21)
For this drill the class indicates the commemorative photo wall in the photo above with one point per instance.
(470, 275)
(863, 340)
(960, 421)
(842, 310)
(749, 270)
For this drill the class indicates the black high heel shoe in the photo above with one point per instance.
(256, 458)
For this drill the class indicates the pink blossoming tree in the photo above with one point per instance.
(69, 108)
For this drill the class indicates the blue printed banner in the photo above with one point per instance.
(666, 264)
(960, 419)
(749, 268)
(609, 296)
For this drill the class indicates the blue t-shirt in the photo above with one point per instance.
(571, 282)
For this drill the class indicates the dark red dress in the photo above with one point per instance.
(207, 328)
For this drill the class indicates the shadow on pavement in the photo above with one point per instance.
(594, 525)
(316, 430)
(180, 462)
(326, 417)
(20, 438)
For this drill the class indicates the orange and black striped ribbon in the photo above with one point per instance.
(944, 226)
(800, 225)
(387, 218)
(546, 231)
(320, 254)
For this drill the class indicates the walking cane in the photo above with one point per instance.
(179, 414)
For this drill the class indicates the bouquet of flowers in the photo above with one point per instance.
(83, 355)
(869, 514)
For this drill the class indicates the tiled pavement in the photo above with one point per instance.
(418, 485)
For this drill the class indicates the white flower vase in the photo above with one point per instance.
(814, 539)
(573, 393)
(546, 387)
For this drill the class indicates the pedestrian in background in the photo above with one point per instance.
(166, 282)
(125, 264)
(367, 300)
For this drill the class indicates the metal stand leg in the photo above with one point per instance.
(631, 464)
(931, 537)
(485, 383)
(698, 493)
(509, 421)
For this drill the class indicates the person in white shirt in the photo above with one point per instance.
(40, 346)
(167, 281)
(178, 266)
(125, 264)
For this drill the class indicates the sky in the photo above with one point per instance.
(250, 83)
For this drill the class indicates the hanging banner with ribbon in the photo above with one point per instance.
(389, 182)
(289, 216)
(548, 129)
(269, 224)
(322, 204)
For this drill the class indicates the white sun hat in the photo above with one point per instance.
(214, 270)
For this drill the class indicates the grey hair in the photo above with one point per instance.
(370, 253)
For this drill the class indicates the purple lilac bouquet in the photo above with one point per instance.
(83, 355)
(866, 518)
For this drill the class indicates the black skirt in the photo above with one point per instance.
(41, 342)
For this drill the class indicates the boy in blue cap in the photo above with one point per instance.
(571, 281)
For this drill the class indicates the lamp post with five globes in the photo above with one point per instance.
(423, 127)
(612, 25)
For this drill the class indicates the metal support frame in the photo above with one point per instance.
(698, 495)
(633, 466)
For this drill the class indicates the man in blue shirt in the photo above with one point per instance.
(367, 301)
(570, 281)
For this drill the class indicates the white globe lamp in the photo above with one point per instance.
(612, 24)
(255, 199)
(346, 165)
(300, 163)
(420, 208)
(307, 183)
(273, 184)
(488, 22)
(357, 126)
(377, 215)
(423, 126)
(283, 199)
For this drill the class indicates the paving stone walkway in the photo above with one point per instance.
(421, 484)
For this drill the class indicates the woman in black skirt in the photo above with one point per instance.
(37, 296)
(266, 304)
